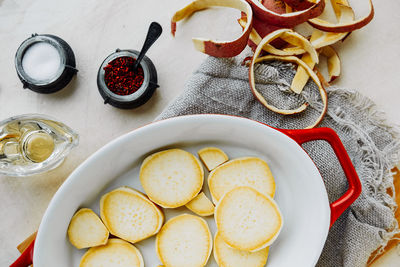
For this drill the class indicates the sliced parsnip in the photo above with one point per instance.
(201, 205)
(171, 178)
(212, 157)
(248, 220)
(87, 230)
(226, 256)
(184, 240)
(116, 253)
(247, 171)
(130, 215)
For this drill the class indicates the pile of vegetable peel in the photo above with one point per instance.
(268, 28)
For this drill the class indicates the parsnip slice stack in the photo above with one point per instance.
(130, 215)
(116, 253)
(87, 230)
(248, 171)
(171, 178)
(248, 220)
(183, 241)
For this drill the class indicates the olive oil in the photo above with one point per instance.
(30, 143)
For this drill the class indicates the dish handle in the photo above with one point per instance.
(354, 184)
(26, 258)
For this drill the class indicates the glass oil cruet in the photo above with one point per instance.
(33, 143)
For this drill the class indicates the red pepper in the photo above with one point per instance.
(120, 77)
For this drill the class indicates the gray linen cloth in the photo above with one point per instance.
(221, 86)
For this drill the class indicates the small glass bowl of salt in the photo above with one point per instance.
(45, 63)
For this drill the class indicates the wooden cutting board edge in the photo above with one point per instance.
(392, 244)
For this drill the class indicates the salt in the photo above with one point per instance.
(41, 61)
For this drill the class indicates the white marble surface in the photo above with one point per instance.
(96, 28)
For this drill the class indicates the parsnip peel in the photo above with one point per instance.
(212, 47)
(343, 27)
(333, 62)
(287, 20)
(292, 59)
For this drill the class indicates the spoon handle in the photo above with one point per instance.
(153, 33)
